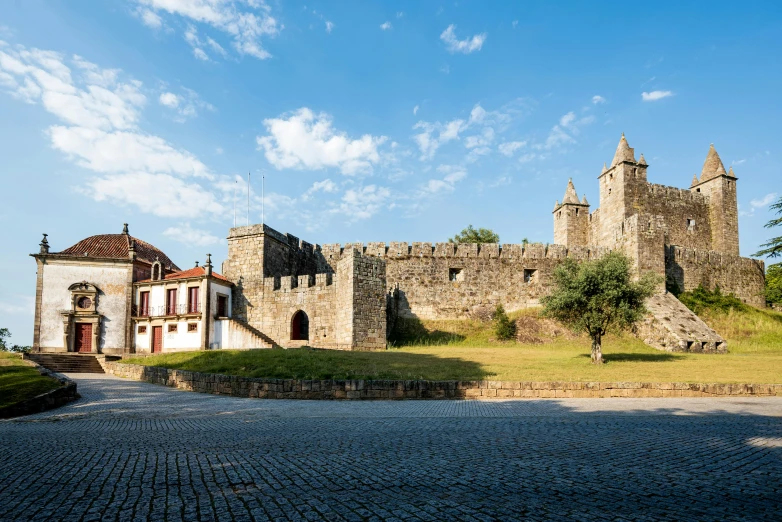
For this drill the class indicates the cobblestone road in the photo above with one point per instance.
(134, 451)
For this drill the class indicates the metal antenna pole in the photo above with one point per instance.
(248, 199)
(263, 194)
(236, 183)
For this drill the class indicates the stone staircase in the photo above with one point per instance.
(243, 336)
(67, 362)
(672, 327)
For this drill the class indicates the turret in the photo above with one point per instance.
(720, 188)
(571, 219)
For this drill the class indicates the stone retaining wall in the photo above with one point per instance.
(364, 389)
(46, 401)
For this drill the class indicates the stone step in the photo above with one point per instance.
(67, 363)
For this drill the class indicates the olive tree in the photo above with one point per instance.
(598, 297)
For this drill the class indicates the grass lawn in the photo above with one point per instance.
(19, 382)
(464, 350)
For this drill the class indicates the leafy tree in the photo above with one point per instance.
(773, 247)
(472, 235)
(504, 328)
(597, 297)
(774, 284)
(4, 334)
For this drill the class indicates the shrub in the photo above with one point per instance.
(504, 328)
(701, 300)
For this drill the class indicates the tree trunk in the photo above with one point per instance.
(597, 352)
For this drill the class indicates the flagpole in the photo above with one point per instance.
(236, 183)
(248, 199)
(263, 198)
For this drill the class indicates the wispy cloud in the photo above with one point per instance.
(597, 100)
(655, 95)
(385, 26)
(191, 236)
(466, 46)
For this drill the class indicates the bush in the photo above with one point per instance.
(774, 284)
(701, 300)
(504, 328)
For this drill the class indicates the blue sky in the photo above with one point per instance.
(371, 121)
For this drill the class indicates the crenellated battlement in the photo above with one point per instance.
(675, 193)
(301, 283)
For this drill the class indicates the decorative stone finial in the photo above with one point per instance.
(44, 245)
(584, 200)
(125, 229)
(208, 265)
(605, 169)
(694, 180)
(642, 160)
(570, 193)
(196, 264)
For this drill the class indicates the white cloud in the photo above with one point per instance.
(466, 46)
(158, 194)
(150, 18)
(428, 143)
(502, 181)
(480, 140)
(597, 100)
(308, 141)
(185, 105)
(98, 130)
(509, 147)
(219, 150)
(191, 236)
(326, 185)
(247, 23)
(415, 110)
(169, 99)
(200, 54)
(764, 201)
(329, 26)
(385, 26)
(514, 23)
(452, 175)
(364, 202)
(655, 95)
(567, 119)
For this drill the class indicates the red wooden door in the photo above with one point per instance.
(83, 339)
(157, 339)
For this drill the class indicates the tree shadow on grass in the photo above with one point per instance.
(636, 357)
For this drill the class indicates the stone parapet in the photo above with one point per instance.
(391, 389)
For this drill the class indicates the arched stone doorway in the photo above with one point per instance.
(300, 326)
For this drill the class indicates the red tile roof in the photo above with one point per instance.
(115, 246)
(197, 271)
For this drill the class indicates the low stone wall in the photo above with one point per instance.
(46, 401)
(361, 389)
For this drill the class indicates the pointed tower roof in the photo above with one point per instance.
(623, 152)
(731, 173)
(556, 204)
(584, 200)
(642, 160)
(713, 166)
(694, 180)
(605, 169)
(570, 193)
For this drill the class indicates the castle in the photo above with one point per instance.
(276, 289)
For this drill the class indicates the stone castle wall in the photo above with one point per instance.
(737, 275)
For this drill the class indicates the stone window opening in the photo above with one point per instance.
(609, 191)
(192, 327)
(157, 271)
(690, 225)
(455, 274)
(576, 211)
(530, 275)
(697, 190)
(142, 329)
(300, 326)
(172, 328)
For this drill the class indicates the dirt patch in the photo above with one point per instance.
(532, 329)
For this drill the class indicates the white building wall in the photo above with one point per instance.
(219, 329)
(112, 281)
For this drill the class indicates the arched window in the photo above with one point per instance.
(300, 326)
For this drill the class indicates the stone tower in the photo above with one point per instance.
(621, 185)
(720, 187)
(571, 219)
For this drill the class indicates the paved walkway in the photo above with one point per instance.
(135, 451)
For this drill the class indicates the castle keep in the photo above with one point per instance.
(117, 294)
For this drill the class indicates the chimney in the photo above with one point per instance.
(125, 228)
(44, 245)
(132, 250)
(208, 265)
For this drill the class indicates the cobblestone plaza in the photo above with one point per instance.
(135, 451)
